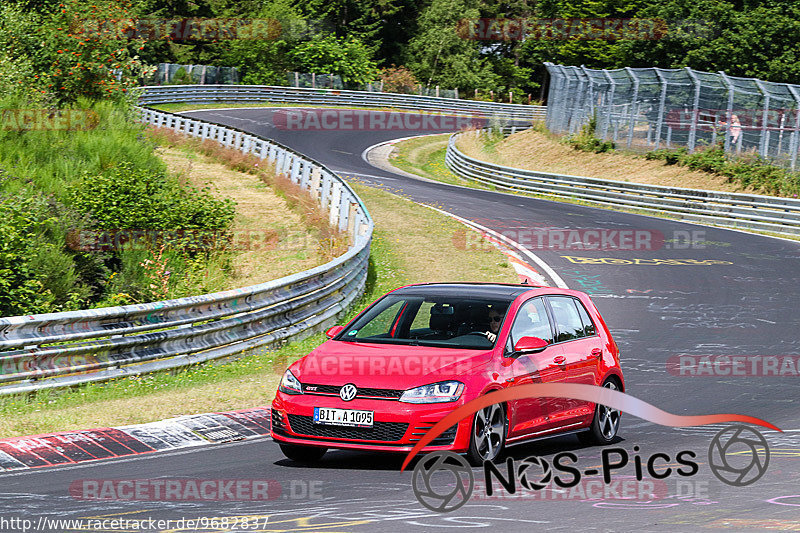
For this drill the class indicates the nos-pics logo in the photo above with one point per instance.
(443, 481)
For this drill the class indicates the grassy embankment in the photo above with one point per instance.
(411, 244)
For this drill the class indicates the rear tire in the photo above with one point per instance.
(605, 424)
(487, 435)
(303, 454)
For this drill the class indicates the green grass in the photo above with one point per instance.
(429, 165)
(424, 156)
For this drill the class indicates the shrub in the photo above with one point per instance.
(587, 141)
(128, 197)
(398, 80)
(37, 272)
(748, 170)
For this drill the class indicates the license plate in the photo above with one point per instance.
(343, 417)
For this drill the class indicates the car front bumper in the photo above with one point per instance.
(397, 426)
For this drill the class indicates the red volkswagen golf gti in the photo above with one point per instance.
(383, 380)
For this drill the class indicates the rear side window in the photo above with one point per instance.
(588, 326)
(568, 320)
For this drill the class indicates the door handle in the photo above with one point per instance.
(597, 352)
(559, 360)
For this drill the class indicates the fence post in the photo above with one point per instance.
(590, 94)
(695, 110)
(609, 105)
(661, 105)
(634, 104)
(763, 142)
(794, 142)
(729, 112)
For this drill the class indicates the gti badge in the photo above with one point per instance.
(348, 392)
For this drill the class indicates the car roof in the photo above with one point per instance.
(503, 291)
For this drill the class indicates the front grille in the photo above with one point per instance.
(366, 392)
(380, 431)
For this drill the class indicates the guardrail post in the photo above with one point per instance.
(352, 215)
(325, 191)
(295, 175)
(306, 173)
(335, 205)
(315, 183)
(344, 203)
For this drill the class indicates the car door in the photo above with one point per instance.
(581, 348)
(529, 415)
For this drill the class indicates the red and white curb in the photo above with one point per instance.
(71, 447)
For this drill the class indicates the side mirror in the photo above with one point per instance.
(530, 345)
(332, 332)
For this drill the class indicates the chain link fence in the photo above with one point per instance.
(167, 73)
(652, 108)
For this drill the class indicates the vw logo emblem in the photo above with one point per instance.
(348, 392)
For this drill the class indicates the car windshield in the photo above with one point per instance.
(441, 321)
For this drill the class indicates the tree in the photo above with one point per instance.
(439, 55)
(348, 58)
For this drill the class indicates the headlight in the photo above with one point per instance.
(290, 384)
(444, 391)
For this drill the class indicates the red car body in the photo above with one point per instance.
(381, 372)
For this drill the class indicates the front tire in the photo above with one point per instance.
(303, 454)
(605, 424)
(488, 435)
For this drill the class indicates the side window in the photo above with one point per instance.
(588, 325)
(532, 321)
(568, 321)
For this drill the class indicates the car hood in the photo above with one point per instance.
(385, 366)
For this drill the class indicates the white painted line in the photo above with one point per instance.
(535, 258)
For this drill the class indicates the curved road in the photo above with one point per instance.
(729, 293)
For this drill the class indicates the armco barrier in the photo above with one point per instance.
(743, 211)
(63, 349)
(204, 94)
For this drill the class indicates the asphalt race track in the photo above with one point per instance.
(729, 293)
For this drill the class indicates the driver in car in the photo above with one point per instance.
(495, 318)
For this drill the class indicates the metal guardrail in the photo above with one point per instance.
(294, 95)
(100, 344)
(742, 211)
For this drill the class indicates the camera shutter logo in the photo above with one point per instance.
(738, 455)
(526, 473)
(348, 392)
(446, 493)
